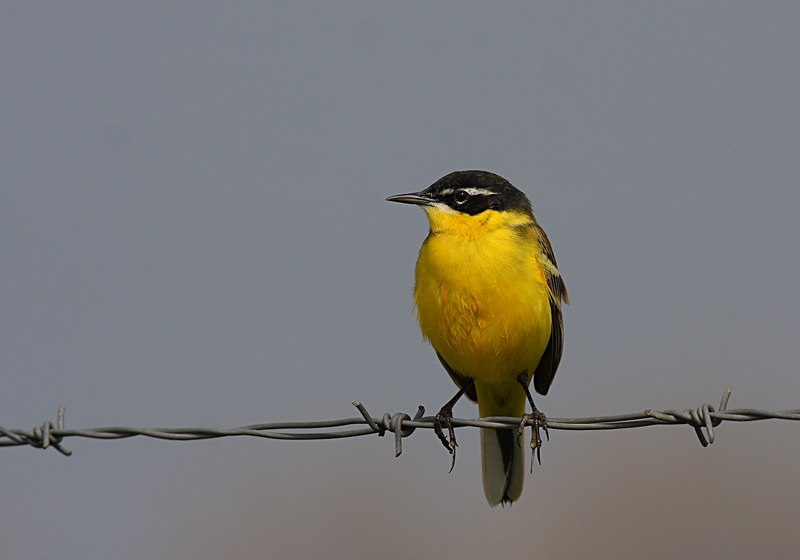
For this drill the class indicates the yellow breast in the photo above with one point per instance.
(481, 294)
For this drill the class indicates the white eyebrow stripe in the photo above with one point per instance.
(445, 192)
(475, 191)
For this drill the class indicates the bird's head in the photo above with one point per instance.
(469, 199)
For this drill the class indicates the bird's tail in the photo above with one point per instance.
(503, 466)
(503, 459)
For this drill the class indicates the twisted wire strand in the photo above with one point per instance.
(703, 419)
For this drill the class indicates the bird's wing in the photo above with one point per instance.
(546, 370)
(459, 379)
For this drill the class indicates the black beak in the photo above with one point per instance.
(417, 198)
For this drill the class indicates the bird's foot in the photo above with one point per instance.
(539, 421)
(445, 417)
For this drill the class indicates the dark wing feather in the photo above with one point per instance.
(546, 370)
(459, 379)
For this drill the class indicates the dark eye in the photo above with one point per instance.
(461, 197)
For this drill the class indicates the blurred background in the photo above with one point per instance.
(193, 232)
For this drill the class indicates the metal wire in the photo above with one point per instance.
(703, 419)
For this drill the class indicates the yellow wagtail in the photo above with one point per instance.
(488, 298)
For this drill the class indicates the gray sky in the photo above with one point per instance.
(193, 232)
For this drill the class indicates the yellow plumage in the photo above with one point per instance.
(482, 297)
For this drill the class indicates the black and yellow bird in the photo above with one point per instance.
(488, 298)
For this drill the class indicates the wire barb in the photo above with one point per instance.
(368, 418)
(40, 437)
(703, 419)
(699, 418)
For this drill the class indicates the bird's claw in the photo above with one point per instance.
(539, 421)
(445, 416)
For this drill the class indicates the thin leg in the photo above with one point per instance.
(445, 416)
(539, 420)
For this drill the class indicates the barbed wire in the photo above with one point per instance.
(703, 419)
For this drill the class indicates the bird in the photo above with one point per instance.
(488, 297)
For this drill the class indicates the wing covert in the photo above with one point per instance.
(546, 370)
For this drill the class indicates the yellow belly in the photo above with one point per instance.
(483, 303)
